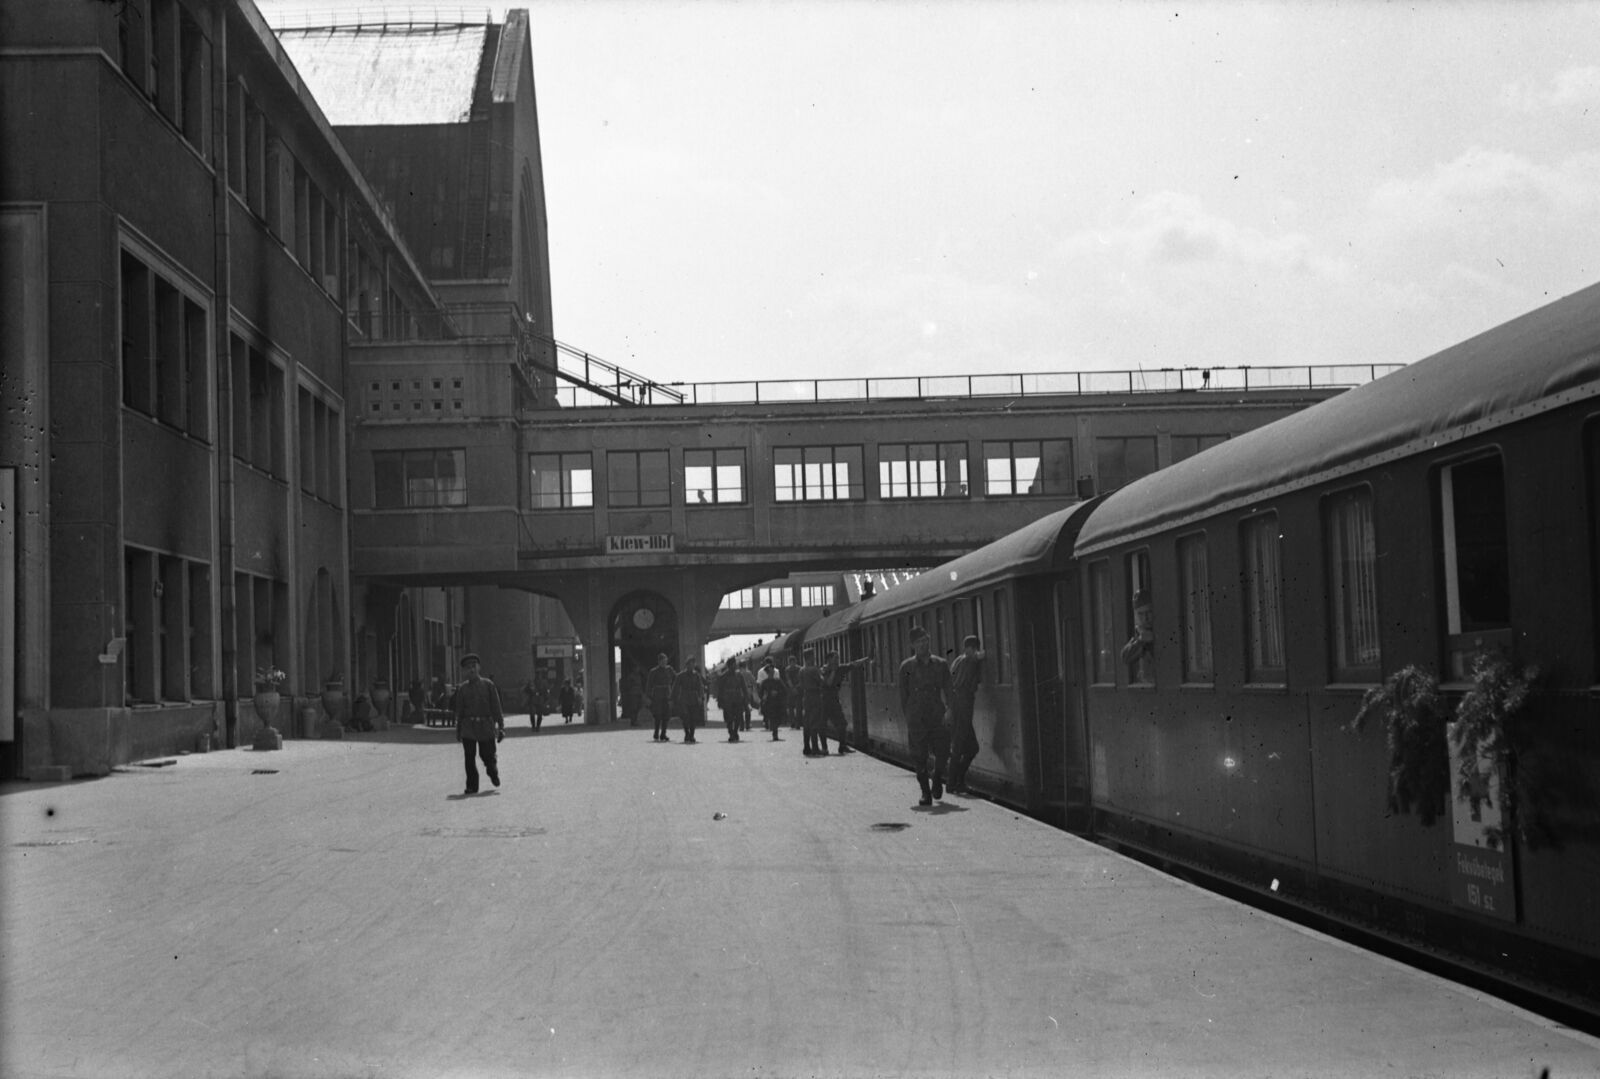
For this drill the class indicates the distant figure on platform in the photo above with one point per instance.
(773, 697)
(751, 697)
(530, 703)
(632, 693)
(658, 687)
(834, 674)
(811, 720)
(733, 699)
(925, 701)
(791, 683)
(689, 698)
(569, 701)
(480, 724)
(965, 676)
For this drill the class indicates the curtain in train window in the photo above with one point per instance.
(1352, 586)
(1102, 637)
(1194, 578)
(1263, 591)
(1476, 557)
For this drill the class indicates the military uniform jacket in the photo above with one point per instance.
(478, 715)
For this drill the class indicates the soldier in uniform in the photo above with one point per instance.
(773, 695)
(834, 674)
(658, 687)
(965, 674)
(925, 702)
(480, 724)
(810, 682)
(689, 698)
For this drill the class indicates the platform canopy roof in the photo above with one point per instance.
(1538, 361)
(389, 74)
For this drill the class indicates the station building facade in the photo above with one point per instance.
(195, 277)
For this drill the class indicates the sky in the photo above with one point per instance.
(836, 188)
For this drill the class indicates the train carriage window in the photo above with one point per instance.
(1352, 551)
(938, 631)
(1139, 651)
(977, 619)
(1102, 659)
(1194, 580)
(1002, 637)
(1476, 558)
(1262, 572)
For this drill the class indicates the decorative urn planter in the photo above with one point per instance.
(381, 696)
(266, 701)
(333, 700)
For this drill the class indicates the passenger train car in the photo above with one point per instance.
(1448, 509)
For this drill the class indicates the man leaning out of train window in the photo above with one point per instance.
(1140, 649)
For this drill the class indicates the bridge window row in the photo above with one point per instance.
(906, 470)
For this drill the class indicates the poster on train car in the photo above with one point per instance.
(1481, 875)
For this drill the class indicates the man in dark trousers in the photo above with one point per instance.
(480, 724)
(689, 699)
(965, 674)
(925, 702)
(658, 687)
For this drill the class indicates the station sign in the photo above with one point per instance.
(552, 651)
(663, 543)
(1481, 875)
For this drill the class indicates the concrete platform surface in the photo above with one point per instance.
(338, 909)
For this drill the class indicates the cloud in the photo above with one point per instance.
(1482, 182)
(1173, 230)
(1574, 87)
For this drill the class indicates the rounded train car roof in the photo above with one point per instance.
(1033, 548)
(1535, 362)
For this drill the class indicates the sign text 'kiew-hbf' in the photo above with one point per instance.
(659, 544)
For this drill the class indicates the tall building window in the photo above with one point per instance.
(1184, 446)
(166, 369)
(1120, 461)
(922, 470)
(713, 476)
(637, 478)
(1194, 578)
(1263, 594)
(561, 480)
(259, 411)
(1352, 586)
(407, 479)
(1032, 467)
(817, 474)
(1476, 557)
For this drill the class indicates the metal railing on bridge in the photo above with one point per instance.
(1020, 384)
(594, 382)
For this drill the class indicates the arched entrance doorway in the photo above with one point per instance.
(642, 626)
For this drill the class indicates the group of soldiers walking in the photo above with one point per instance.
(936, 699)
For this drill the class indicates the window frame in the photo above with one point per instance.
(1102, 482)
(1460, 640)
(800, 483)
(911, 486)
(566, 493)
(454, 497)
(1136, 574)
(1068, 486)
(691, 490)
(1196, 625)
(1339, 588)
(1260, 637)
(664, 495)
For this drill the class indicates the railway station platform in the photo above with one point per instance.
(620, 907)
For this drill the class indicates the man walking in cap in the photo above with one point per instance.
(925, 701)
(479, 723)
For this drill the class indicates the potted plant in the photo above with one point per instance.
(1488, 733)
(1414, 715)
(266, 698)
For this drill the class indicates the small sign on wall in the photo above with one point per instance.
(1480, 875)
(664, 543)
